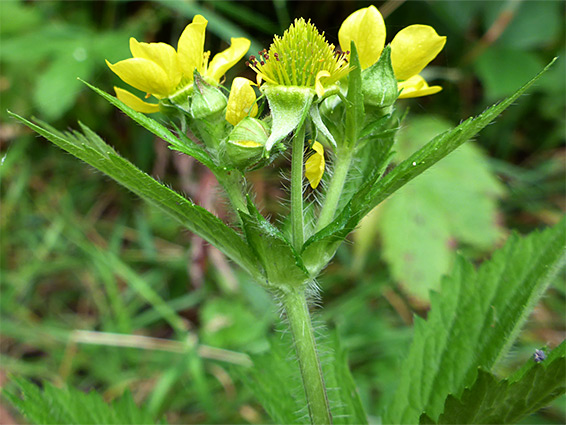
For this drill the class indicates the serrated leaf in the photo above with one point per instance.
(184, 144)
(91, 149)
(454, 202)
(489, 401)
(473, 321)
(282, 264)
(54, 405)
(433, 152)
(342, 393)
(276, 383)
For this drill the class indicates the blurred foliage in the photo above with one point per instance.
(80, 253)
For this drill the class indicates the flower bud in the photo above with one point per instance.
(245, 146)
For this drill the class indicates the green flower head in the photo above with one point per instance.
(301, 58)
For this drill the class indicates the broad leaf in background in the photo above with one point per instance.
(490, 401)
(70, 406)
(473, 321)
(94, 151)
(56, 54)
(423, 223)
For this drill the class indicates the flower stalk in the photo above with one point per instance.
(297, 216)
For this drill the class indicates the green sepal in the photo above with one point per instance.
(289, 107)
(207, 100)
(355, 98)
(283, 267)
(320, 126)
(379, 84)
(208, 106)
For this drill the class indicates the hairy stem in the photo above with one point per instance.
(295, 305)
(297, 219)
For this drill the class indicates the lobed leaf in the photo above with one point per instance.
(90, 148)
(473, 321)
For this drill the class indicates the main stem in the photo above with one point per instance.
(296, 308)
(297, 220)
(341, 167)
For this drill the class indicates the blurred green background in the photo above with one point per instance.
(78, 252)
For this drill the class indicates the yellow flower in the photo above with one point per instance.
(314, 165)
(163, 72)
(411, 50)
(241, 102)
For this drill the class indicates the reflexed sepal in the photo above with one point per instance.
(379, 84)
(245, 146)
(289, 107)
(320, 126)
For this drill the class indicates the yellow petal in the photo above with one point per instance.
(225, 60)
(367, 29)
(314, 166)
(163, 55)
(191, 47)
(413, 48)
(416, 86)
(318, 82)
(135, 102)
(241, 101)
(142, 74)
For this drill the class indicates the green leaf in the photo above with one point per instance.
(93, 150)
(320, 248)
(343, 396)
(431, 153)
(276, 383)
(185, 145)
(473, 321)
(282, 264)
(70, 406)
(489, 401)
(452, 203)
